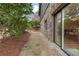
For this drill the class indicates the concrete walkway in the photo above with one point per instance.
(38, 45)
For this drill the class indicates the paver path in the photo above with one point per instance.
(38, 45)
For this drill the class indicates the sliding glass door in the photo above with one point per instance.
(58, 29)
(67, 29)
(71, 28)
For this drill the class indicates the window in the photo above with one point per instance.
(71, 28)
(58, 29)
(67, 29)
(45, 24)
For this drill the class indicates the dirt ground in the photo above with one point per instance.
(12, 46)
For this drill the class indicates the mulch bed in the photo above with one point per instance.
(12, 46)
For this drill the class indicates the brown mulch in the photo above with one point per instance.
(12, 46)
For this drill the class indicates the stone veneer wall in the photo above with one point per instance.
(50, 21)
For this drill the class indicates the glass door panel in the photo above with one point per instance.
(58, 29)
(71, 28)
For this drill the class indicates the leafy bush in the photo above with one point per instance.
(33, 24)
(13, 17)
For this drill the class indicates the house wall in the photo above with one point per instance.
(50, 20)
(52, 11)
(43, 9)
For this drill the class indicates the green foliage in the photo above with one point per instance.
(13, 17)
(33, 24)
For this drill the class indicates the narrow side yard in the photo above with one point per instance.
(38, 45)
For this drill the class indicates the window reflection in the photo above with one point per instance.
(58, 29)
(71, 28)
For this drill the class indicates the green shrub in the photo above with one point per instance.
(13, 16)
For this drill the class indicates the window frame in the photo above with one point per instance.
(55, 29)
(62, 39)
(62, 22)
